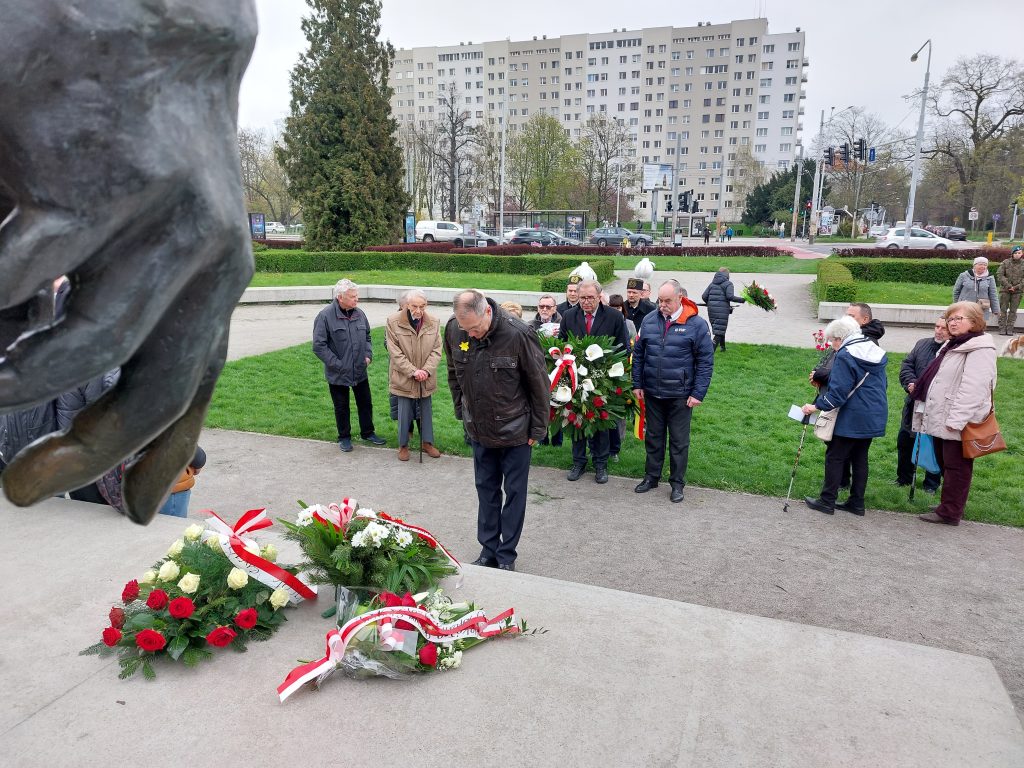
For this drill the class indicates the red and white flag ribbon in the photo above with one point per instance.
(233, 543)
(337, 515)
(423, 533)
(474, 625)
(565, 367)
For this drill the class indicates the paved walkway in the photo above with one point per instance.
(885, 574)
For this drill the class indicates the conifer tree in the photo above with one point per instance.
(339, 147)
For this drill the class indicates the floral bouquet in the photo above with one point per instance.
(380, 634)
(819, 341)
(758, 296)
(348, 546)
(590, 395)
(215, 588)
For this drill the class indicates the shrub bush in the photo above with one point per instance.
(586, 251)
(935, 271)
(472, 261)
(993, 253)
(290, 245)
(835, 282)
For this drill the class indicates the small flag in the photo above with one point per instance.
(640, 421)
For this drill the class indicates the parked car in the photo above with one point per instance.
(615, 236)
(545, 237)
(878, 230)
(442, 231)
(472, 240)
(275, 228)
(955, 233)
(919, 238)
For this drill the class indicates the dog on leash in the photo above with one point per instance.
(1014, 348)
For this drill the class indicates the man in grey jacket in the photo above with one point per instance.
(341, 338)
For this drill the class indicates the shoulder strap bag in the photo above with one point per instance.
(825, 425)
(983, 437)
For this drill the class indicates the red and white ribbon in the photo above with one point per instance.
(233, 544)
(423, 533)
(337, 515)
(474, 625)
(565, 366)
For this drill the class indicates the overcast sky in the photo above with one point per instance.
(862, 60)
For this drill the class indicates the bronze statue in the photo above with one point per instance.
(119, 168)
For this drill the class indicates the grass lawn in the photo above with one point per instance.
(748, 264)
(402, 277)
(741, 439)
(905, 293)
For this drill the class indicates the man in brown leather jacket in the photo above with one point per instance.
(499, 385)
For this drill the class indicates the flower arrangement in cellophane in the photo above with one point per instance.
(759, 296)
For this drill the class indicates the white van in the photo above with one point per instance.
(442, 231)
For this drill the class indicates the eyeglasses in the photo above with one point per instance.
(588, 298)
(957, 319)
(545, 306)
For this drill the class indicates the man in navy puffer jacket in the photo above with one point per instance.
(673, 360)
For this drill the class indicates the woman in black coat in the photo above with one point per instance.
(720, 296)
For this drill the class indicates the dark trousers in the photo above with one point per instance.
(615, 438)
(342, 411)
(905, 462)
(672, 414)
(956, 478)
(554, 440)
(498, 525)
(840, 452)
(600, 447)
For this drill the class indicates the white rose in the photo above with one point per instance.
(175, 548)
(149, 577)
(278, 599)
(587, 386)
(194, 531)
(168, 571)
(581, 370)
(237, 578)
(618, 369)
(593, 352)
(269, 553)
(563, 394)
(189, 583)
(214, 543)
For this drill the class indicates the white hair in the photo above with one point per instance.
(344, 286)
(414, 293)
(841, 328)
(594, 283)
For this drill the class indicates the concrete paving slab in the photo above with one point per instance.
(619, 679)
(886, 574)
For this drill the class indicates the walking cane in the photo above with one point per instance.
(915, 453)
(419, 421)
(792, 476)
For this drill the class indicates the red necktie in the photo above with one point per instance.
(590, 322)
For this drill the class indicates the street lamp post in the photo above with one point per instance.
(796, 193)
(618, 191)
(915, 174)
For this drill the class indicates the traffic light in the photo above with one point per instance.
(844, 154)
(861, 148)
(682, 200)
(668, 209)
(695, 208)
(830, 157)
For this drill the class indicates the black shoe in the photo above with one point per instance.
(900, 483)
(646, 484)
(345, 444)
(847, 507)
(819, 505)
(601, 475)
(506, 566)
(575, 473)
(676, 496)
(486, 562)
(375, 439)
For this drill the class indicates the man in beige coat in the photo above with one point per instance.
(414, 344)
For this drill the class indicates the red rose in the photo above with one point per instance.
(130, 591)
(111, 636)
(221, 636)
(591, 414)
(116, 617)
(150, 640)
(157, 599)
(618, 390)
(604, 414)
(390, 599)
(181, 608)
(765, 291)
(247, 619)
(598, 402)
(428, 655)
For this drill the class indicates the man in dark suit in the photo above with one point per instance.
(592, 318)
(571, 297)
(637, 306)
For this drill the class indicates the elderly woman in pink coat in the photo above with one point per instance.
(956, 389)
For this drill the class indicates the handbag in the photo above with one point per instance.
(983, 437)
(825, 425)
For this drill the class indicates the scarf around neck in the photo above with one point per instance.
(923, 383)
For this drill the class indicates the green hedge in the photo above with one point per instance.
(935, 271)
(556, 281)
(835, 282)
(340, 261)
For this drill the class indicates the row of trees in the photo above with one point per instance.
(454, 162)
(973, 152)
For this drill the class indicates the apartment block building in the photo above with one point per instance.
(714, 91)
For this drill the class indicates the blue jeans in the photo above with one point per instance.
(177, 504)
